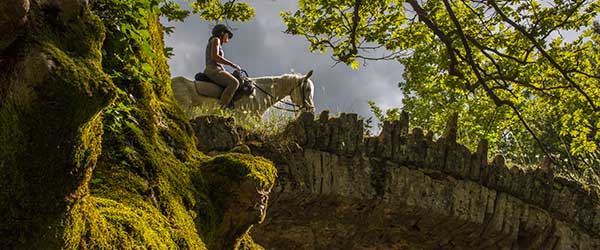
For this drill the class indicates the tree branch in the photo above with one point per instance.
(478, 73)
(440, 34)
(355, 21)
(539, 47)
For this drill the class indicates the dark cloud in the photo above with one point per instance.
(261, 47)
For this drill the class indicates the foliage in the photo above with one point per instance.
(392, 114)
(149, 161)
(347, 27)
(271, 123)
(128, 46)
(118, 115)
(522, 74)
(230, 10)
(173, 11)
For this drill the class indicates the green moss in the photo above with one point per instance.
(89, 164)
(99, 223)
(148, 155)
(12, 179)
(140, 169)
(244, 166)
(247, 243)
(232, 182)
(51, 129)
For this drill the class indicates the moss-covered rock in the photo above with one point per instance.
(50, 134)
(238, 186)
(94, 152)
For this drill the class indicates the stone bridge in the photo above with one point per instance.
(404, 190)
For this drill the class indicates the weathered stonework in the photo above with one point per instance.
(215, 133)
(403, 190)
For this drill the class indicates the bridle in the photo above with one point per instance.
(295, 107)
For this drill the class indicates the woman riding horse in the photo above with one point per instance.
(215, 61)
(270, 90)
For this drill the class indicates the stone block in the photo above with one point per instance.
(475, 167)
(417, 147)
(336, 136)
(385, 141)
(371, 146)
(451, 127)
(311, 128)
(323, 134)
(482, 152)
(359, 136)
(403, 123)
(215, 133)
(304, 127)
(435, 158)
(396, 140)
(458, 158)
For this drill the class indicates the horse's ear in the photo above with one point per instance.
(309, 74)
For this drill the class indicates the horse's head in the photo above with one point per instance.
(302, 94)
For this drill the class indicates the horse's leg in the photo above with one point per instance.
(251, 105)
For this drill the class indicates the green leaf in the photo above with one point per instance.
(509, 71)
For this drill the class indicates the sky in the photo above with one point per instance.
(262, 48)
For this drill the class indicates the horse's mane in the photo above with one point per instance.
(285, 77)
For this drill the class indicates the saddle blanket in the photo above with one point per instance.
(208, 89)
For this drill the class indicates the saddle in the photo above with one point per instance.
(207, 87)
(201, 77)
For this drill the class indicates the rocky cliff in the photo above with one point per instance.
(94, 152)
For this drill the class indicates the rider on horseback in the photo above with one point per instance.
(215, 62)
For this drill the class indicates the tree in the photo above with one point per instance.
(94, 151)
(522, 74)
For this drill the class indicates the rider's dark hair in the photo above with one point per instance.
(219, 29)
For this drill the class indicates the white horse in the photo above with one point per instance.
(269, 90)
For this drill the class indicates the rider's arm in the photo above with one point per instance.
(214, 51)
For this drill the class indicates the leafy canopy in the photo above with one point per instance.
(218, 11)
(522, 74)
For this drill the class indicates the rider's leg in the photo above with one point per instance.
(225, 79)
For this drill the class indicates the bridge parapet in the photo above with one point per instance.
(402, 189)
(397, 148)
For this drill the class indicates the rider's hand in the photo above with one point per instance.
(235, 66)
